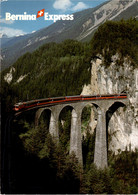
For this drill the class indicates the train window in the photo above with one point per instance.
(30, 103)
(73, 97)
(58, 98)
(45, 100)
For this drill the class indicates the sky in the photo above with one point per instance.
(17, 27)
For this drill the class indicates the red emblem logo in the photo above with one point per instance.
(40, 13)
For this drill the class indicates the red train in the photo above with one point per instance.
(51, 101)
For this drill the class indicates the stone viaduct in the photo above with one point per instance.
(105, 109)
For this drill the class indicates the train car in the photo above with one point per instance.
(123, 95)
(24, 105)
(43, 101)
(58, 98)
(73, 98)
(18, 106)
(88, 97)
(50, 100)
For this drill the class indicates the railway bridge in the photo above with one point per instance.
(105, 109)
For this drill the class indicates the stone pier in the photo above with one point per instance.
(75, 138)
(100, 153)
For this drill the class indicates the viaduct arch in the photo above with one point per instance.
(105, 110)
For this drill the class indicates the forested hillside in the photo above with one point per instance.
(52, 70)
(116, 37)
(62, 69)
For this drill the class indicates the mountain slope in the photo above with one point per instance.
(81, 28)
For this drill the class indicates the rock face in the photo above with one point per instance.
(112, 79)
(9, 76)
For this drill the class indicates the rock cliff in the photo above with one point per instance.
(111, 79)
